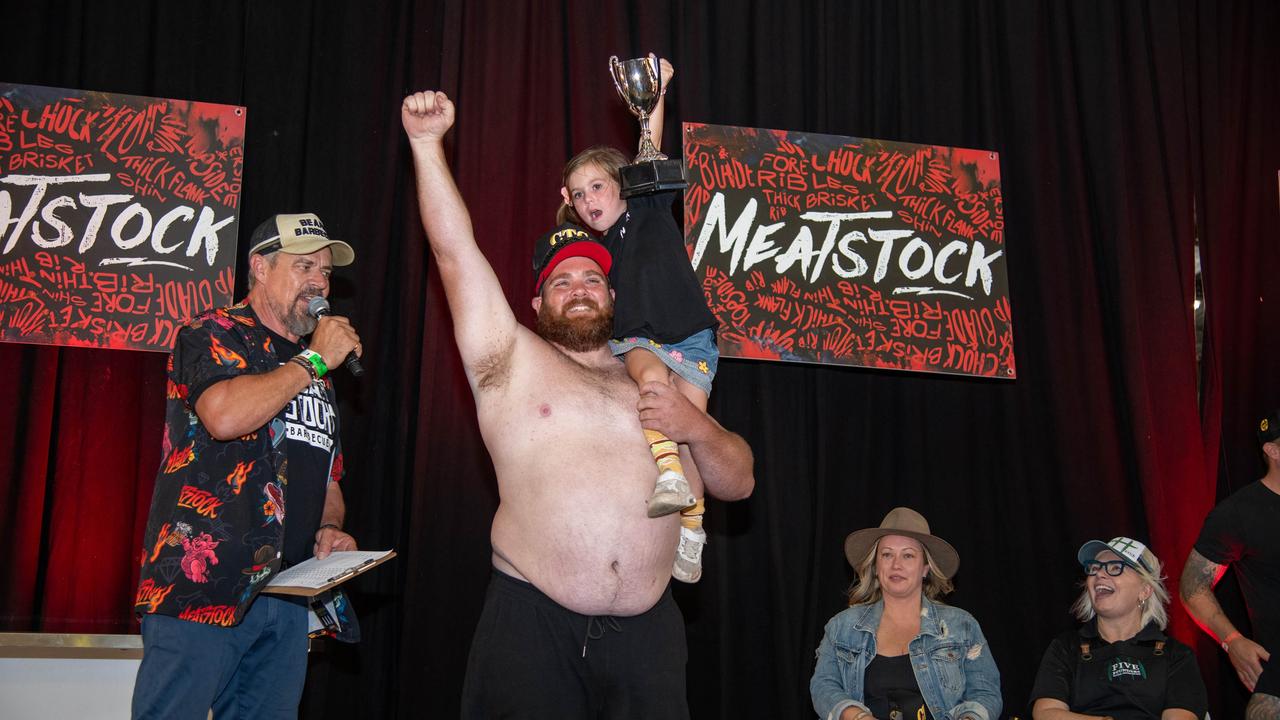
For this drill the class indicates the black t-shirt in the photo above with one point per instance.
(310, 427)
(658, 295)
(1129, 680)
(1244, 531)
(889, 685)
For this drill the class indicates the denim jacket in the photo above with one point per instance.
(950, 658)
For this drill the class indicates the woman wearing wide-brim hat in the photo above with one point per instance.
(897, 652)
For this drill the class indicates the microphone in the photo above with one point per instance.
(317, 308)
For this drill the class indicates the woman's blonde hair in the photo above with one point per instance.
(1154, 609)
(604, 157)
(867, 589)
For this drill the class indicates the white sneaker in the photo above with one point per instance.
(688, 564)
(670, 494)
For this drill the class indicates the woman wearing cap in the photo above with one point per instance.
(897, 652)
(1119, 663)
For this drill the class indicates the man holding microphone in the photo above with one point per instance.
(248, 484)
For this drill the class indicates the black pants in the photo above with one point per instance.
(532, 658)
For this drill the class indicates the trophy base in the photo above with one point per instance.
(653, 176)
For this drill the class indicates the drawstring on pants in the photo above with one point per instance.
(596, 628)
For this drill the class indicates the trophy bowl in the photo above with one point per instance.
(639, 84)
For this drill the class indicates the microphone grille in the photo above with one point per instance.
(317, 306)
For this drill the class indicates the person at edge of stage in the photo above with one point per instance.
(1243, 533)
(578, 620)
(897, 652)
(248, 484)
(662, 327)
(1119, 663)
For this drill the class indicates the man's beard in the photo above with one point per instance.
(299, 323)
(577, 335)
(295, 318)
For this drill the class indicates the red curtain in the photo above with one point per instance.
(78, 464)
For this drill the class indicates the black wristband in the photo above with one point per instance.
(335, 527)
(297, 360)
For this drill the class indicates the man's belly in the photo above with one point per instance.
(574, 472)
(597, 560)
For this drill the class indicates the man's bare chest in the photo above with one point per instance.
(572, 402)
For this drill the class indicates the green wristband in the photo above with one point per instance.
(316, 361)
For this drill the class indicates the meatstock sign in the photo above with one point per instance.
(851, 251)
(118, 215)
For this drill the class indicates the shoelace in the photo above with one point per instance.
(596, 628)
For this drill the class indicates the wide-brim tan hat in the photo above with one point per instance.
(908, 523)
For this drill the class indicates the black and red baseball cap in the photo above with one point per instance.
(560, 244)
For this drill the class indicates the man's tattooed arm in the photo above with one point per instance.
(1196, 587)
(1199, 576)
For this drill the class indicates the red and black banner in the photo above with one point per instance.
(118, 215)
(851, 251)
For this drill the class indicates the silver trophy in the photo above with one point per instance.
(639, 83)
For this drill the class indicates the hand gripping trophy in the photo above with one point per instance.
(640, 85)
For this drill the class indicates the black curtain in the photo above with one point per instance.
(1125, 131)
(1236, 154)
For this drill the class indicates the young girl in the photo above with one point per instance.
(662, 326)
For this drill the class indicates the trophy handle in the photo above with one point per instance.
(618, 74)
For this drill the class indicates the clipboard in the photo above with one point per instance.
(316, 576)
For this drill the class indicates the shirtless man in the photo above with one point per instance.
(578, 619)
